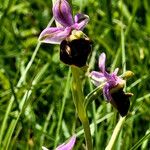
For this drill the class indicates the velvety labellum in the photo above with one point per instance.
(75, 52)
(120, 100)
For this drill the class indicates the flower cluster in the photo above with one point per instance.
(75, 48)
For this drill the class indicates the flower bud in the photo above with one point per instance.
(128, 74)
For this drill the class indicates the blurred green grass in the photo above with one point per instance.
(20, 25)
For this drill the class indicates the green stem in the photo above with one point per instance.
(122, 120)
(66, 93)
(123, 50)
(123, 44)
(115, 134)
(109, 17)
(78, 98)
(51, 110)
(94, 119)
(21, 80)
(93, 95)
(23, 104)
(144, 139)
(126, 33)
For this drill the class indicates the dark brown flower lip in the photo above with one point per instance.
(120, 100)
(75, 52)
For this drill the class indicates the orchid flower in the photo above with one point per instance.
(111, 79)
(113, 86)
(63, 15)
(65, 146)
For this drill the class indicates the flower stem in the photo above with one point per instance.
(78, 98)
(21, 80)
(123, 43)
(66, 93)
(115, 133)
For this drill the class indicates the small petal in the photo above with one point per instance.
(62, 13)
(54, 35)
(97, 78)
(69, 145)
(44, 148)
(116, 71)
(81, 21)
(96, 74)
(96, 83)
(102, 59)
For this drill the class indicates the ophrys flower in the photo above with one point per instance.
(113, 86)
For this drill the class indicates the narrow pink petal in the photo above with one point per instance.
(102, 59)
(44, 148)
(96, 75)
(97, 78)
(62, 13)
(96, 83)
(81, 21)
(116, 71)
(69, 145)
(54, 35)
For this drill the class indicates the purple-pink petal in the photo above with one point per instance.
(96, 83)
(69, 145)
(81, 21)
(62, 13)
(102, 59)
(107, 75)
(54, 35)
(116, 71)
(106, 92)
(96, 74)
(97, 78)
(44, 148)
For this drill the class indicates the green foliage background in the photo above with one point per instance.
(44, 87)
